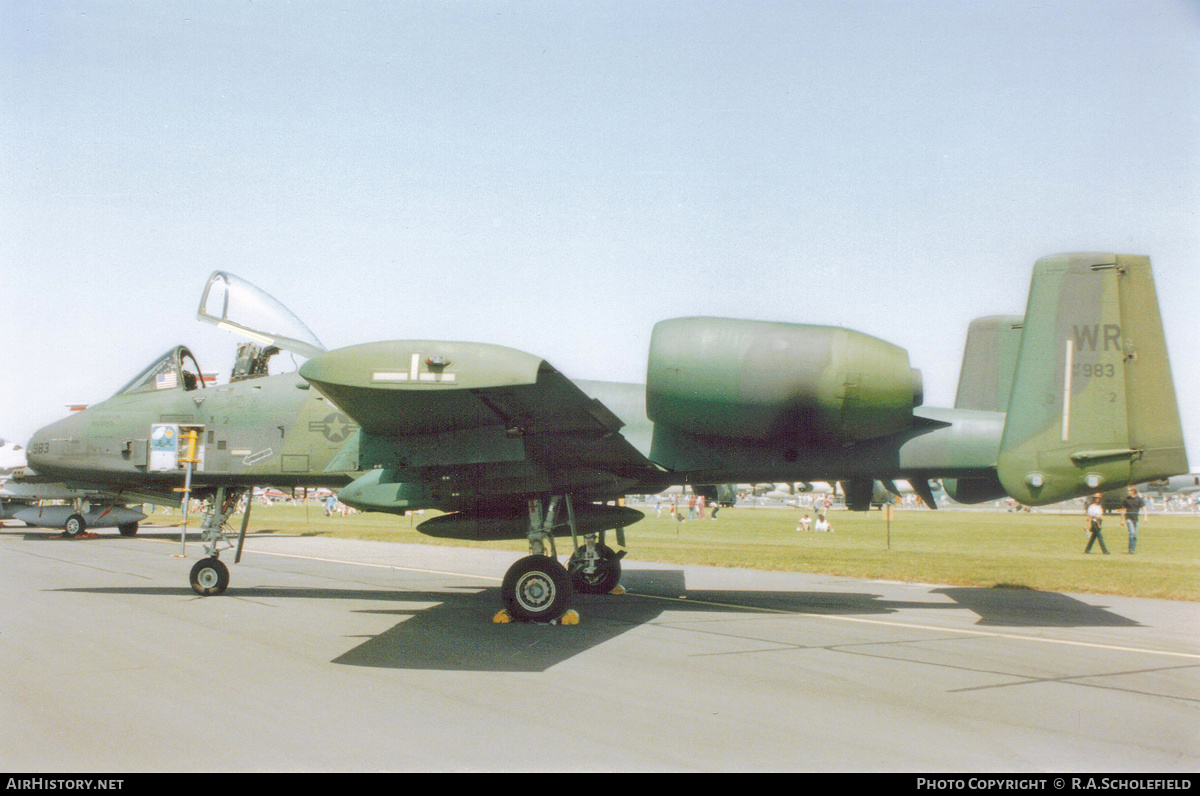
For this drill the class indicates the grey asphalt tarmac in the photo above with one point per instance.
(335, 655)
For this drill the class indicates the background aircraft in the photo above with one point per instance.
(12, 456)
(1188, 484)
(1176, 489)
(789, 490)
(27, 502)
(508, 447)
(802, 494)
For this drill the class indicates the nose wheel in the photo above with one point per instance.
(209, 577)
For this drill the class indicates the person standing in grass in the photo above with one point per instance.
(1095, 516)
(1130, 506)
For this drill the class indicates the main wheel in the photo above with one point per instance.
(209, 577)
(536, 589)
(128, 529)
(605, 577)
(75, 526)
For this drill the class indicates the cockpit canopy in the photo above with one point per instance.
(231, 303)
(173, 370)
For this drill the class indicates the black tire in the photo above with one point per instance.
(603, 580)
(75, 526)
(536, 589)
(209, 577)
(128, 529)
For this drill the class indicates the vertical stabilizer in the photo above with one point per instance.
(984, 384)
(1093, 403)
(989, 363)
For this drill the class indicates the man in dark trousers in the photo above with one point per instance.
(1130, 506)
(1095, 514)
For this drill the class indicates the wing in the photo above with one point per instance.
(449, 425)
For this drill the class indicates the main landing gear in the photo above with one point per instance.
(537, 588)
(75, 527)
(595, 568)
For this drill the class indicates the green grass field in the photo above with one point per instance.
(1042, 551)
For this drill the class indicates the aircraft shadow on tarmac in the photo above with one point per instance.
(457, 633)
(1020, 607)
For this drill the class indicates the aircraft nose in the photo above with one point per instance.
(38, 447)
(41, 452)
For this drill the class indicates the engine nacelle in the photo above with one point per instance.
(756, 380)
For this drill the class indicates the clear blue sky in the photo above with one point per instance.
(557, 176)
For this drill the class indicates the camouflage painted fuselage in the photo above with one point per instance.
(270, 431)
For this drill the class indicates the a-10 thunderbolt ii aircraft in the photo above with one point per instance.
(1074, 396)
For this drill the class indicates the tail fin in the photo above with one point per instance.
(1093, 403)
(985, 383)
(989, 362)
